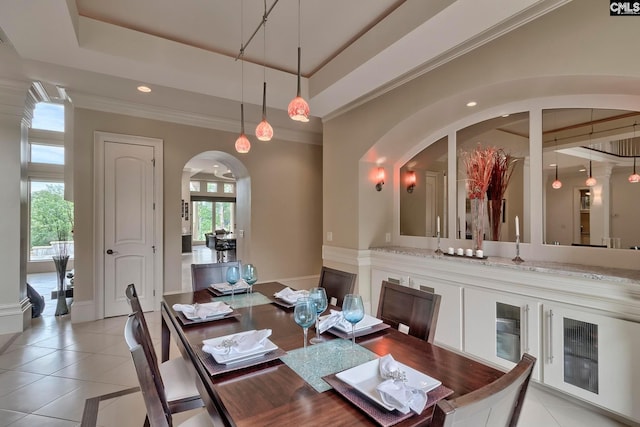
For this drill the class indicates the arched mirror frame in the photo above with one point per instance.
(533, 226)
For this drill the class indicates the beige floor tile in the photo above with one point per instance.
(124, 411)
(34, 396)
(91, 367)
(16, 356)
(53, 362)
(13, 380)
(8, 417)
(581, 417)
(120, 349)
(36, 420)
(93, 342)
(71, 405)
(123, 375)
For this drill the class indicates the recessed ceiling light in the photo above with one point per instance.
(552, 165)
(144, 89)
(582, 170)
(505, 115)
(472, 104)
(215, 166)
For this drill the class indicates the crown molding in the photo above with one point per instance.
(110, 105)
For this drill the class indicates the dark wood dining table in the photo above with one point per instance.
(272, 393)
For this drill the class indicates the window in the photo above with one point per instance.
(194, 186)
(45, 153)
(210, 215)
(229, 188)
(50, 219)
(212, 187)
(48, 116)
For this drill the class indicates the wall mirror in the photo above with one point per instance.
(601, 143)
(509, 133)
(423, 192)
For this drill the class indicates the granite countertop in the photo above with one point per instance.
(620, 275)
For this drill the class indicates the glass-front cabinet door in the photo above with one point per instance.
(594, 357)
(500, 327)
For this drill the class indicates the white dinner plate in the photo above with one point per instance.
(225, 288)
(238, 357)
(366, 377)
(366, 322)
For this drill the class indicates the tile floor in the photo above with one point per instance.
(49, 371)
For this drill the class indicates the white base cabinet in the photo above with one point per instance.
(500, 327)
(593, 357)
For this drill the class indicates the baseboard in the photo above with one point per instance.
(83, 311)
(15, 318)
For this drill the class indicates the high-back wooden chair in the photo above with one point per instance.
(149, 377)
(497, 404)
(203, 275)
(173, 376)
(337, 283)
(411, 307)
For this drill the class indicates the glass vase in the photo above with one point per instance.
(477, 222)
(60, 262)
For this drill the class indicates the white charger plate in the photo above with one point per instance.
(238, 357)
(366, 377)
(366, 322)
(219, 313)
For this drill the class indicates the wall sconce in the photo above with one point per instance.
(380, 178)
(411, 181)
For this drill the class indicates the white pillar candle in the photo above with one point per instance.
(517, 227)
(438, 224)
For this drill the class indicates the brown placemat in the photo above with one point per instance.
(362, 332)
(215, 368)
(282, 303)
(380, 415)
(186, 322)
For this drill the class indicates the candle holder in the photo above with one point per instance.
(517, 259)
(438, 251)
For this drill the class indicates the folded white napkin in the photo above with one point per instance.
(290, 296)
(395, 392)
(240, 343)
(336, 318)
(226, 287)
(202, 311)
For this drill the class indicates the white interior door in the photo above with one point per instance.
(129, 225)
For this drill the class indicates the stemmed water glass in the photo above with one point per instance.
(250, 275)
(305, 315)
(353, 312)
(319, 297)
(233, 275)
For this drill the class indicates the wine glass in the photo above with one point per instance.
(250, 275)
(305, 315)
(353, 312)
(319, 297)
(233, 275)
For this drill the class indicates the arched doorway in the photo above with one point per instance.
(216, 194)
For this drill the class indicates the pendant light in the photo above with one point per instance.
(242, 143)
(557, 184)
(298, 107)
(264, 131)
(634, 177)
(591, 181)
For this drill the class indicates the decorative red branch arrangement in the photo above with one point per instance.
(498, 183)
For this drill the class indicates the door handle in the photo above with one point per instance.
(111, 252)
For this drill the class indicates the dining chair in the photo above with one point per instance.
(203, 275)
(416, 309)
(159, 413)
(337, 283)
(174, 376)
(497, 404)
